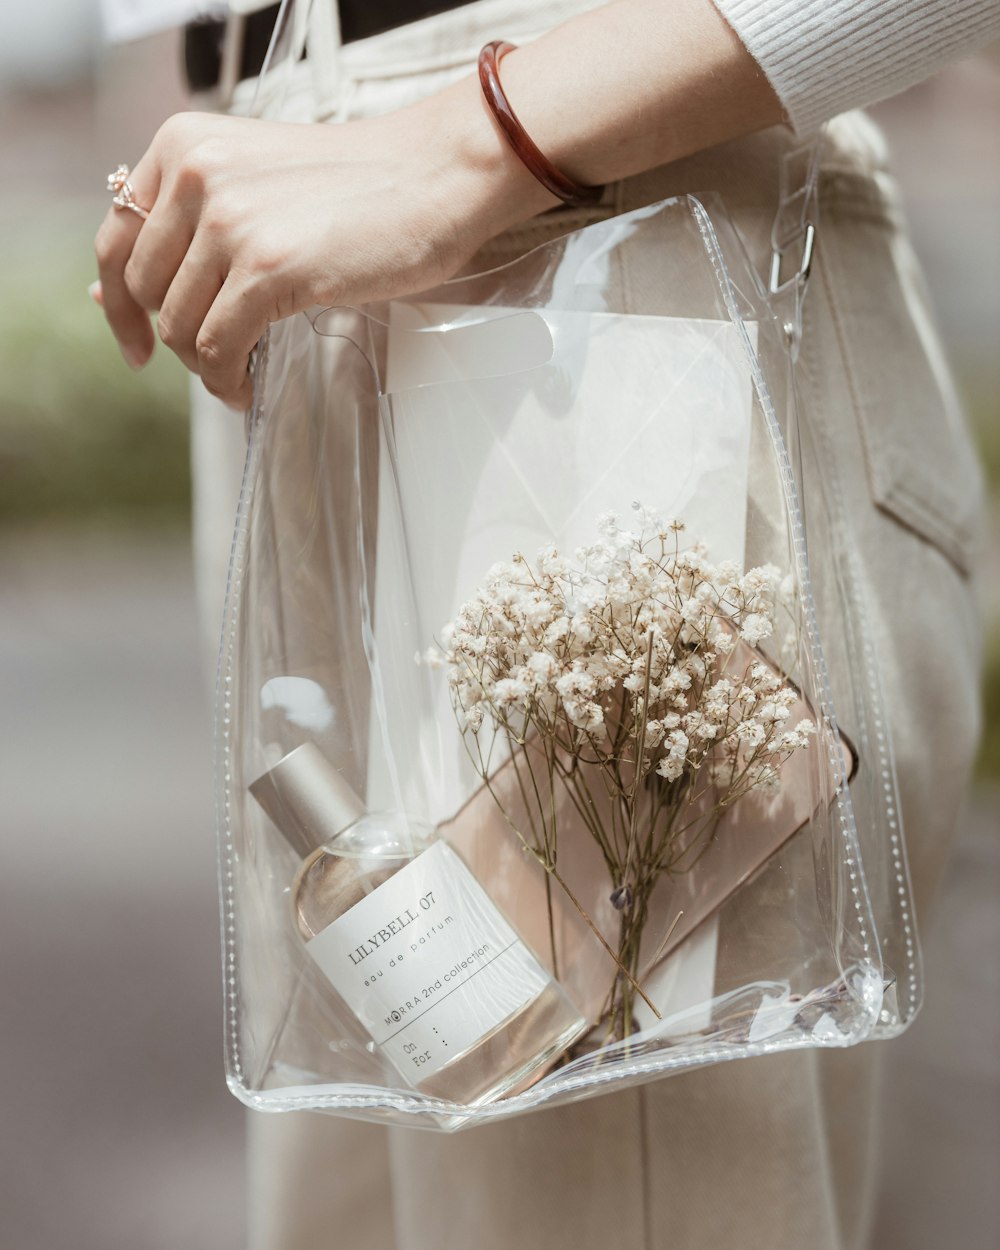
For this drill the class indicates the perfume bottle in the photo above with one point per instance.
(412, 943)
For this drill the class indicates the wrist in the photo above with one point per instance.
(482, 186)
(616, 90)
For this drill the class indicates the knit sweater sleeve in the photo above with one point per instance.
(825, 56)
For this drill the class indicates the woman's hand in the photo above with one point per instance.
(251, 221)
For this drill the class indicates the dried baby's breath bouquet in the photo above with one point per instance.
(627, 678)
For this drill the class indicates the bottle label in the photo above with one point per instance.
(427, 963)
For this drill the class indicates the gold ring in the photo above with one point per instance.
(123, 196)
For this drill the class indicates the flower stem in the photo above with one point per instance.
(604, 942)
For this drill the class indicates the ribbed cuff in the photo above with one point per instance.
(823, 57)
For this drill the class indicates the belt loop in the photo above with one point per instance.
(324, 44)
(232, 55)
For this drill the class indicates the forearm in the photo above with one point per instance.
(620, 89)
(636, 84)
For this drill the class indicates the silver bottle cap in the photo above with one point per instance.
(307, 798)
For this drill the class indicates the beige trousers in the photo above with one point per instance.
(778, 1153)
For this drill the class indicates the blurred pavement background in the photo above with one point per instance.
(117, 1130)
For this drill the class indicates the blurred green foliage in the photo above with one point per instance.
(988, 763)
(983, 405)
(81, 436)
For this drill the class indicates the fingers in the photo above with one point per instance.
(115, 241)
(186, 304)
(157, 254)
(230, 331)
(129, 322)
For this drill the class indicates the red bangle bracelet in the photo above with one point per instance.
(535, 162)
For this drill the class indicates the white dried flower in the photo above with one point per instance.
(750, 732)
(755, 628)
(655, 730)
(669, 768)
(472, 717)
(765, 777)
